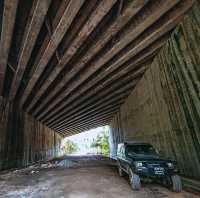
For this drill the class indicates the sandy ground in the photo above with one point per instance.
(92, 180)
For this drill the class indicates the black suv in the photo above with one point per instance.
(141, 160)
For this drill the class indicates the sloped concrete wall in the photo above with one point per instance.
(164, 108)
(24, 140)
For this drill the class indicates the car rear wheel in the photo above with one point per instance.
(176, 183)
(134, 180)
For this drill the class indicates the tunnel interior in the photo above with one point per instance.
(69, 66)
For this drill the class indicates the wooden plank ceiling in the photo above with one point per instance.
(72, 63)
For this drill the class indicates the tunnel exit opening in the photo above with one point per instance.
(92, 142)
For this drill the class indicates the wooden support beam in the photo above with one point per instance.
(89, 123)
(125, 82)
(98, 109)
(121, 20)
(134, 63)
(95, 18)
(92, 93)
(85, 128)
(96, 119)
(92, 107)
(94, 115)
(60, 30)
(34, 24)
(144, 24)
(8, 21)
(119, 88)
(122, 84)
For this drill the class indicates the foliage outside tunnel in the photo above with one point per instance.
(95, 141)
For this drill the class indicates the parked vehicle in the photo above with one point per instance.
(141, 160)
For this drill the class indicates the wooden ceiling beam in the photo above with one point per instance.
(90, 124)
(85, 105)
(84, 128)
(139, 28)
(120, 21)
(94, 116)
(125, 82)
(34, 24)
(91, 107)
(8, 21)
(88, 121)
(59, 32)
(97, 15)
(122, 87)
(174, 16)
(99, 109)
(76, 69)
(96, 89)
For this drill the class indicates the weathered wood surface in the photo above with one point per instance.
(100, 81)
(140, 25)
(33, 27)
(24, 140)
(164, 108)
(8, 20)
(104, 38)
(101, 10)
(60, 30)
(59, 54)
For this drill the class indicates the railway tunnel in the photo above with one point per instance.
(67, 66)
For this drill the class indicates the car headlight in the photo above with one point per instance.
(138, 164)
(170, 165)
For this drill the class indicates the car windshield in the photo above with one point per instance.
(141, 150)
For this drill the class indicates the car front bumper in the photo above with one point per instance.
(156, 172)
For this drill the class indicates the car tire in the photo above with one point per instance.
(176, 183)
(134, 180)
(120, 171)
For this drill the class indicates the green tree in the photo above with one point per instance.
(70, 147)
(102, 142)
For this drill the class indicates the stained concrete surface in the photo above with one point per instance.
(76, 178)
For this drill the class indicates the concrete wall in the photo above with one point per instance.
(24, 140)
(164, 108)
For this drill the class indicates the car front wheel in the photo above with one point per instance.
(121, 172)
(176, 183)
(134, 180)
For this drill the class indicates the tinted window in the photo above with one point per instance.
(141, 150)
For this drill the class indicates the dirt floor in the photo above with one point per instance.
(76, 178)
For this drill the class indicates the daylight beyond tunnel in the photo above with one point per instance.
(68, 66)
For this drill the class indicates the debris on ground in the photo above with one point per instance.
(76, 177)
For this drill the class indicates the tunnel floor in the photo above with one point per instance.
(76, 177)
